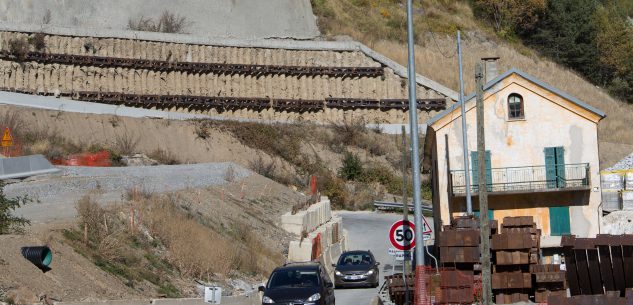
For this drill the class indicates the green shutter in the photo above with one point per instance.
(488, 171)
(474, 161)
(474, 166)
(559, 221)
(560, 167)
(491, 214)
(550, 167)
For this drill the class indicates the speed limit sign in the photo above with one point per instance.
(402, 235)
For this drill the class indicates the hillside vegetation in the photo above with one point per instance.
(381, 24)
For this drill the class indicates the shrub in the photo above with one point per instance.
(125, 143)
(352, 168)
(168, 22)
(266, 169)
(37, 41)
(164, 157)
(202, 130)
(19, 47)
(229, 174)
(8, 222)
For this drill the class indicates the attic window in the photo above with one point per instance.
(515, 107)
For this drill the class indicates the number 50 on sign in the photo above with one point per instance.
(402, 235)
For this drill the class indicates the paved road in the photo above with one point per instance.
(368, 230)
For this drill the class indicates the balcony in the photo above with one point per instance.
(526, 179)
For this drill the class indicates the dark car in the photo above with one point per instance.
(356, 269)
(299, 284)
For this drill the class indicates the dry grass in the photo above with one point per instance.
(194, 249)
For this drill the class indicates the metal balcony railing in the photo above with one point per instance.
(525, 178)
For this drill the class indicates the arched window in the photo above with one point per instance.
(515, 106)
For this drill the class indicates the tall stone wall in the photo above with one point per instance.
(48, 78)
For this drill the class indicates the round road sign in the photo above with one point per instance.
(402, 235)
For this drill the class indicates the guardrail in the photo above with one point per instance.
(387, 205)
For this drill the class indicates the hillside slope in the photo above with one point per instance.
(381, 25)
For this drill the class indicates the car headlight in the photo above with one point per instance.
(267, 300)
(370, 272)
(314, 297)
(338, 273)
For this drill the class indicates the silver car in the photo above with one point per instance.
(356, 269)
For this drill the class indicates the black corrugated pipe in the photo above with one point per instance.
(40, 256)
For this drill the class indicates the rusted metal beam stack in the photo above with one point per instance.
(457, 287)
(395, 284)
(515, 249)
(549, 281)
(193, 67)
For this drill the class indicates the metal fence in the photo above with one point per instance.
(525, 178)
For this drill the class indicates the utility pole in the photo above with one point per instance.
(420, 281)
(405, 210)
(469, 201)
(484, 223)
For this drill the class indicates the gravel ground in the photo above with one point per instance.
(57, 194)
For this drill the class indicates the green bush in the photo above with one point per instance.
(352, 168)
(8, 222)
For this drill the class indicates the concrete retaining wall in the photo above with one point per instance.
(51, 78)
(308, 220)
(247, 19)
(26, 166)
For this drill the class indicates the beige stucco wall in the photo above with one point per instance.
(549, 121)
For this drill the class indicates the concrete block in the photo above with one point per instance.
(300, 251)
(108, 302)
(293, 223)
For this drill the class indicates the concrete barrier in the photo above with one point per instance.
(108, 302)
(308, 220)
(226, 300)
(20, 167)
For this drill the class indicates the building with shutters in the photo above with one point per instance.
(541, 157)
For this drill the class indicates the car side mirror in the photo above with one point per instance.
(334, 265)
(261, 288)
(329, 285)
(377, 263)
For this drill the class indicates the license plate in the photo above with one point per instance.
(353, 277)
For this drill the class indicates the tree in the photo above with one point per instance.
(567, 34)
(8, 222)
(352, 168)
(615, 42)
(511, 16)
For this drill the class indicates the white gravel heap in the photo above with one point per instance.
(620, 222)
(625, 163)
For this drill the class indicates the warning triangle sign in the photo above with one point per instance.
(7, 139)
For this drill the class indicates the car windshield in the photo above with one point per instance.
(355, 259)
(294, 278)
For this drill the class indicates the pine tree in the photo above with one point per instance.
(8, 222)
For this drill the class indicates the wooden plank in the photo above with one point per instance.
(594, 271)
(570, 261)
(618, 268)
(605, 268)
(584, 280)
(627, 259)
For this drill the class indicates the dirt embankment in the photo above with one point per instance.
(144, 262)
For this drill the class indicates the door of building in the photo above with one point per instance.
(559, 221)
